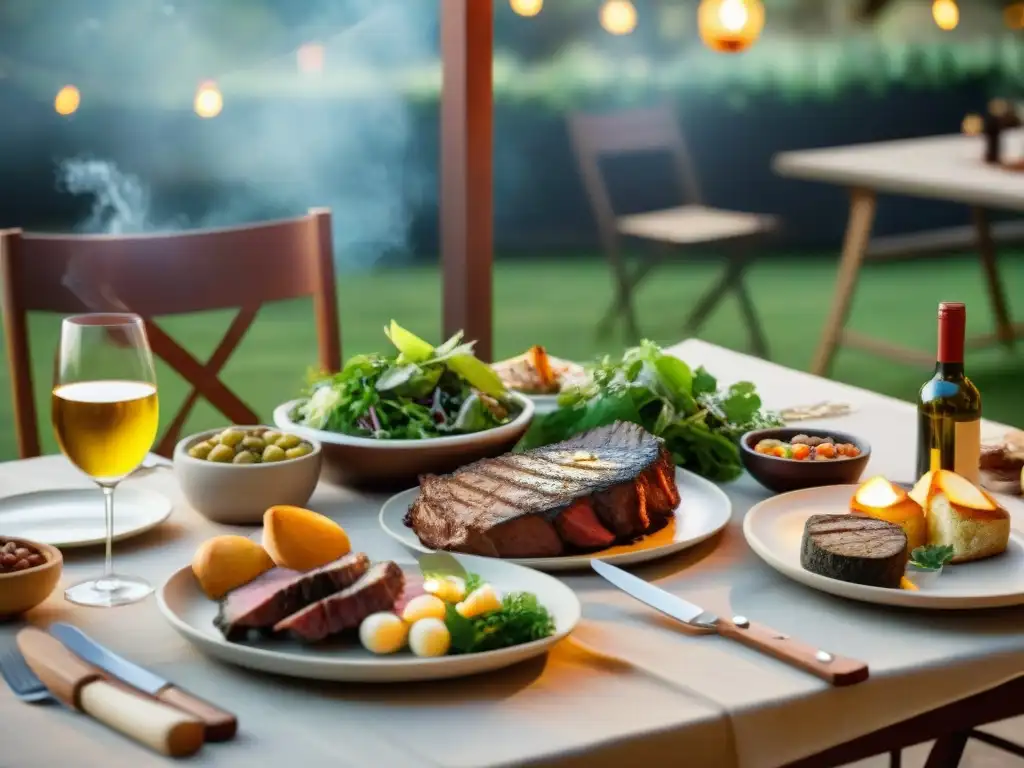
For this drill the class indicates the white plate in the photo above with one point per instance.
(703, 511)
(74, 517)
(774, 529)
(544, 404)
(191, 614)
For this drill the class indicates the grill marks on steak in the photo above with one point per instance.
(861, 550)
(377, 590)
(279, 592)
(609, 484)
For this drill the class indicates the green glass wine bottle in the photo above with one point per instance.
(949, 405)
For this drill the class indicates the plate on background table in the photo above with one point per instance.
(74, 517)
(774, 528)
(191, 614)
(703, 512)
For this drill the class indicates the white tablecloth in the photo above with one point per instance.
(664, 698)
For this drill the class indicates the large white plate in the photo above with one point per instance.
(191, 614)
(774, 529)
(703, 511)
(74, 517)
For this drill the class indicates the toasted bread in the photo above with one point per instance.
(962, 515)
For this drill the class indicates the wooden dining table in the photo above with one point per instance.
(627, 688)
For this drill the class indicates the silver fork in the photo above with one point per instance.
(151, 464)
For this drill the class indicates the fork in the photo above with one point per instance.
(151, 464)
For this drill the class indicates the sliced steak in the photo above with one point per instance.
(862, 550)
(279, 592)
(513, 505)
(377, 590)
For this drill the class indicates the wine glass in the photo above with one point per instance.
(105, 414)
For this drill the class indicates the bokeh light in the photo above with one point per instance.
(67, 101)
(946, 14)
(730, 26)
(209, 101)
(526, 7)
(1013, 15)
(310, 57)
(618, 17)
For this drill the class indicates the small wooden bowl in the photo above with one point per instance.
(22, 591)
(784, 475)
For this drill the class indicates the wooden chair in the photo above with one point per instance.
(594, 137)
(167, 274)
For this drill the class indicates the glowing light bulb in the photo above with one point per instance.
(209, 101)
(67, 101)
(526, 7)
(618, 17)
(730, 26)
(946, 14)
(310, 57)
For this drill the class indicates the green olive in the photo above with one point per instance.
(231, 437)
(273, 453)
(221, 453)
(287, 441)
(254, 444)
(271, 436)
(244, 458)
(200, 450)
(302, 449)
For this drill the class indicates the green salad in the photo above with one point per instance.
(699, 422)
(418, 391)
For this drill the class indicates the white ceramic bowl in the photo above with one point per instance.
(239, 494)
(365, 461)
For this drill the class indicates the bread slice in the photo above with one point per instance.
(961, 515)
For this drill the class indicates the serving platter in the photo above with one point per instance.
(774, 529)
(704, 510)
(191, 614)
(74, 517)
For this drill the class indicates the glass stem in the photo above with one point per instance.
(108, 503)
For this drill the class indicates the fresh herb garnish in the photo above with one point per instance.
(699, 423)
(931, 557)
(521, 619)
(419, 391)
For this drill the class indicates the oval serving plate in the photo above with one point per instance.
(191, 614)
(703, 512)
(774, 529)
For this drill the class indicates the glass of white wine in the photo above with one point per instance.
(105, 414)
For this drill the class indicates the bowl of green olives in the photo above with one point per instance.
(232, 475)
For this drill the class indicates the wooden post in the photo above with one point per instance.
(467, 31)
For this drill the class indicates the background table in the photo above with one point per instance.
(938, 167)
(650, 695)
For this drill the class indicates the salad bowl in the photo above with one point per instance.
(371, 462)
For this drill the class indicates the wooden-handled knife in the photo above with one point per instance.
(220, 725)
(83, 687)
(833, 669)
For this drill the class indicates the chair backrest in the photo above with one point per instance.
(653, 129)
(167, 274)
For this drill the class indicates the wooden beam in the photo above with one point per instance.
(467, 48)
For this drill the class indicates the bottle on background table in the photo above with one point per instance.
(949, 405)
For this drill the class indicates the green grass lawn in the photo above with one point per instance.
(556, 302)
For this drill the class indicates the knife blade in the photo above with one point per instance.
(219, 725)
(832, 668)
(40, 668)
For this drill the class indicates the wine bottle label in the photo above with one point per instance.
(968, 449)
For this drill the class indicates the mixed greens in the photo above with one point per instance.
(699, 423)
(419, 391)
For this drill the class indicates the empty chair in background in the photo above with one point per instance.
(598, 136)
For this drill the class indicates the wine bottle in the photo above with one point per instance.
(949, 405)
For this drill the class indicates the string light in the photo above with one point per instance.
(67, 101)
(618, 17)
(209, 101)
(310, 57)
(526, 7)
(946, 14)
(730, 26)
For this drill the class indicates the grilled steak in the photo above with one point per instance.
(279, 592)
(377, 590)
(609, 484)
(862, 550)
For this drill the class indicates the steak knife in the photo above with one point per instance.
(833, 669)
(219, 725)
